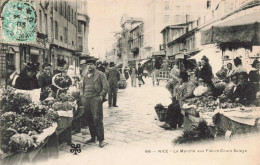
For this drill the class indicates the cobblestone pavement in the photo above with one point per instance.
(133, 124)
(134, 137)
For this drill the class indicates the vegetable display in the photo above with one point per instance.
(21, 119)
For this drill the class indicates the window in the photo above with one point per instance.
(68, 12)
(177, 18)
(65, 9)
(61, 38)
(166, 6)
(55, 5)
(188, 8)
(51, 32)
(72, 16)
(40, 20)
(65, 34)
(60, 7)
(177, 8)
(187, 18)
(166, 18)
(56, 30)
(75, 19)
(46, 24)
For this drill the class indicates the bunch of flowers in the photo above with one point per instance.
(62, 81)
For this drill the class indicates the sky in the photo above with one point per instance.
(105, 16)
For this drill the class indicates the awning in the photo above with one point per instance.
(144, 61)
(214, 56)
(244, 29)
(159, 53)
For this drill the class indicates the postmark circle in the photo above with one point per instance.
(19, 21)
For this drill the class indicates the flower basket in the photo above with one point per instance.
(61, 81)
(161, 113)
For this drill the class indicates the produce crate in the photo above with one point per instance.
(161, 113)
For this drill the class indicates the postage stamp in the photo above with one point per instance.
(18, 22)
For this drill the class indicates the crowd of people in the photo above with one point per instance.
(232, 85)
(94, 81)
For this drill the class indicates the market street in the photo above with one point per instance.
(134, 136)
(134, 122)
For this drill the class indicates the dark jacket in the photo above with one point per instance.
(100, 83)
(44, 80)
(206, 74)
(26, 83)
(113, 76)
(140, 71)
(245, 93)
(101, 68)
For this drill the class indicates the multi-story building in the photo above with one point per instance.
(136, 44)
(83, 28)
(217, 34)
(161, 13)
(64, 23)
(56, 36)
(127, 24)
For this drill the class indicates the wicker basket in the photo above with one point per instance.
(161, 113)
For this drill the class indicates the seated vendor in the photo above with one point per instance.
(240, 90)
(245, 93)
(184, 89)
(174, 116)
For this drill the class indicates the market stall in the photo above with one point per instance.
(31, 130)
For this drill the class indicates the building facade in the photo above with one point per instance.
(56, 36)
(161, 13)
(136, 44)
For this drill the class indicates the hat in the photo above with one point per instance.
(255, 62)
(82, 62)
(90, 60)
(112, 64)
(205, 58)
(61, 62)
(45, 65)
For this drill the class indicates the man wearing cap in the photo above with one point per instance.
(113, 76)
(94, 90)
(45, 80)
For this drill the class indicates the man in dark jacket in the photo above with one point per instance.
(113, 76)
(94, 90)
(100, 67)
(140, 73)
(27, 79)
(245, 92)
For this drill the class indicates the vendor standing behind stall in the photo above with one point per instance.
(206, 71)
(45, 80)
(27, 79)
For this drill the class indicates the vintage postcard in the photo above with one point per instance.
(122, 82)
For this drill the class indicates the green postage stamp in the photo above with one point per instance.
(18, 21)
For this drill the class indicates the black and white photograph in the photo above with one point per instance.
(124, 82)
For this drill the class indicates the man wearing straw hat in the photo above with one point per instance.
(94, 90)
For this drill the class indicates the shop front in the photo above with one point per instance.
(239, 37)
